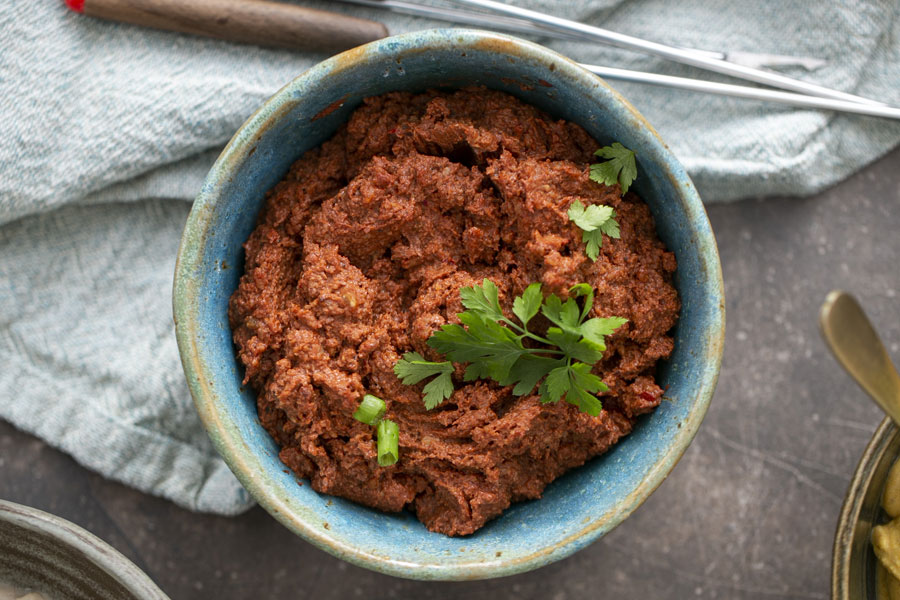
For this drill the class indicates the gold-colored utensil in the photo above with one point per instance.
(857, 347)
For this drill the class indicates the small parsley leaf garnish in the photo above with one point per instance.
(483, 300)
(579, 385)
(620, 168)
(413, 368)
(592, 217)
(558, 363)
(526, 306)
(594, 221)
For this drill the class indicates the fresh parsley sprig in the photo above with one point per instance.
(493, 346)
(594, 221)
(599, 219)
(620, 168)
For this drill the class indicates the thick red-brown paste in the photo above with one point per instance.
(359, 256)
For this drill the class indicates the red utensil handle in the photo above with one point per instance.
(249, 21)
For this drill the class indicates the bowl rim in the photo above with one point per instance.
(98, 552)
(224, 437)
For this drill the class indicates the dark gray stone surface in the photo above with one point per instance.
(749, 512)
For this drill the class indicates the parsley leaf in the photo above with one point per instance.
(526, 306)
(582, 386)
(564, 315)
(413, 368)
(620, 168)
(574, 346)
(528, 371)
(610, 228)
(482, 300)
(592, 217)
(437, 390)
(559, 363)
(578, 385)
(594, 221)
(593, 240)
(557, 384)
(490, 348)
(583, 289)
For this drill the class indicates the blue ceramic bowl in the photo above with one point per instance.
(576, 509)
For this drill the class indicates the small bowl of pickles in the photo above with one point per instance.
(866, 559)
(866, 563)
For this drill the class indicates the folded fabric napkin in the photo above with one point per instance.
(109, 129)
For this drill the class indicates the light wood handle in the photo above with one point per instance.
(250, 21)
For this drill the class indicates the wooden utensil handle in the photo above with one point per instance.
(251, 21)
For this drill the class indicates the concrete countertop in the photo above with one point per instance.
(749, 513)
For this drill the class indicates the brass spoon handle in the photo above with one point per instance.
(856, 346)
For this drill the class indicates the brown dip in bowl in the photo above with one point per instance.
(359, 256)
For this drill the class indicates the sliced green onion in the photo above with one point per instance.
(370, 410)
(388, 442)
